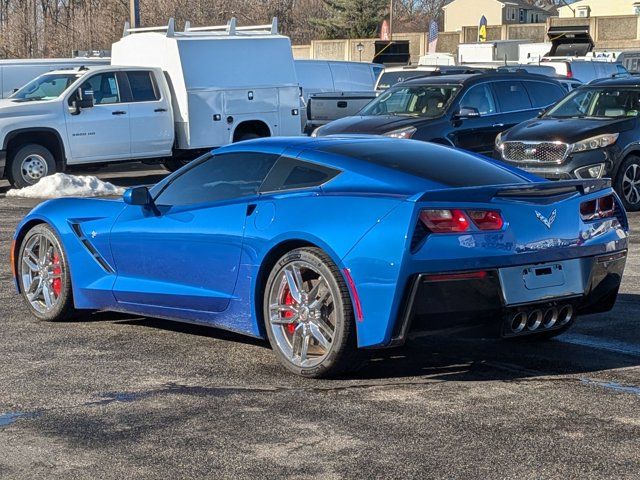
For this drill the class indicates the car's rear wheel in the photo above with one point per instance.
(627, 183)
(308, 314)
(45, 281)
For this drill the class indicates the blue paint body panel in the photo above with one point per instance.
(203, 263)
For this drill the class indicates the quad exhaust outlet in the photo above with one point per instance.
(538, 319)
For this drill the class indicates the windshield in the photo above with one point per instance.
(413, 101)
(598, 103)
(45, 87)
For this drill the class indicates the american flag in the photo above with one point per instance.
(433, 36)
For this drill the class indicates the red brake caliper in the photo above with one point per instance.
(288, 300)
(57, 270)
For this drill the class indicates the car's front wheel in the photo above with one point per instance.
(43, 270)
(29, 164)
(308, 314)
(627, 183)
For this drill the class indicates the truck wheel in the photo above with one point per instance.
(627, 183)
(173, 164)
(247, 136)
(28, 164)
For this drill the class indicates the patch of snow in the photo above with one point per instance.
(64, 185)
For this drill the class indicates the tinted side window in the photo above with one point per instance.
(512, 96)
(543, 94)
(220, 177)
(480, 98)
(143, 88)
(290, 173)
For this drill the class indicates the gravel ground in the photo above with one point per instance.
(120, 397)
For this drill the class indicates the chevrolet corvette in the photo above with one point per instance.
(327, 246)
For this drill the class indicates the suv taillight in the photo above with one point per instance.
(603, 207)
(455, 220)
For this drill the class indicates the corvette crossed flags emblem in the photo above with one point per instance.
(547, 221)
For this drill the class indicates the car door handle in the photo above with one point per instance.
(119, 112)
(498, 125)
(160, 110)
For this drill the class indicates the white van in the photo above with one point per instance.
(320, 76)
(584, 70)
(16, 73)
(172, 96)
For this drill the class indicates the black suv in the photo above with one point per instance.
(465, 111)
(594, 132)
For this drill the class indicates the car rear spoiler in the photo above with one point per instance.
(540, 191)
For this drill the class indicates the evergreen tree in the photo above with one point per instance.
(352, 18)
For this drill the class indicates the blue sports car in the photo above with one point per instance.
(332, 245)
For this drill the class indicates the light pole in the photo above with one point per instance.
(390, 20)
(360, 48)
(134, 13)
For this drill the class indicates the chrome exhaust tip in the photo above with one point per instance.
(550, 317)
(534, 319)
(565, 315)
(519, 322)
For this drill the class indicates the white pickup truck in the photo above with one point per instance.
(168, 95)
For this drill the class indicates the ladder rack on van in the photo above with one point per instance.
(229, 29)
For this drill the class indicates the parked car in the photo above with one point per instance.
(321, 76)
(16, 73)
(585, 70)
(465, 111)
(172, 106)
(393, 75)
(334, 89)
(592, 133)
(327, 246)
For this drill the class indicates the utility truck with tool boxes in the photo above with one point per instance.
(167, 96)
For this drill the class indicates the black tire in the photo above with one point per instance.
(173, 164)
(630, 197)
(63, 308)
(343, 353)
(22, 173)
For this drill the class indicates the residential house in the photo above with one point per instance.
(464, 13)
(600, 8)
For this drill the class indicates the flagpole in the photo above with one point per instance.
(390, 20)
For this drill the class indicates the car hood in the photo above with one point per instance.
(567, 130)
(371, 124)
(11, 109)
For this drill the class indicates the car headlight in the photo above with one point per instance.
(593, 143)
(406, 132)
(499, 141)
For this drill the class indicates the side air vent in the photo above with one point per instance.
(419, 234)
(91, 249)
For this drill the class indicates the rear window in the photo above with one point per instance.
(512, 96)
(290, 173)
(543, 94)
(445, 166)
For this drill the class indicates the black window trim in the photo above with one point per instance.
(156, 90)
(337, 171)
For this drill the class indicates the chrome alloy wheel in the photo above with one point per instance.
(33, 168)
(631, 184)
(41, 271)
(302, 314)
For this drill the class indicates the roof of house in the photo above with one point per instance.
(516, 3)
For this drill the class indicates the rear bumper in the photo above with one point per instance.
(442, 301)
(3, 163)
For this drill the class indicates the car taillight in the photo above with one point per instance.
(445, 221)
(569, 71)
(486, 219)
(455, 220)
(603, 207)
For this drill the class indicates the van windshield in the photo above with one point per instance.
(45, 87)
(598, 103)
(413, 101)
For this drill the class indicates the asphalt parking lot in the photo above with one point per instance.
(129, 397)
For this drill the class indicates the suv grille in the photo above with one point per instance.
(543, 152)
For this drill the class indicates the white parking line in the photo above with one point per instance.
(600, 343)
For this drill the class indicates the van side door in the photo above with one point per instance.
(150, 114)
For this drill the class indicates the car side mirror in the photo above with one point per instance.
(467, 112)
(83, 99)
(137, 196)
